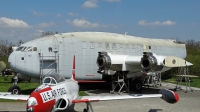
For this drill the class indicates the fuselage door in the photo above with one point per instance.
(145, 47)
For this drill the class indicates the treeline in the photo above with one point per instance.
(193, 56)
(5, 47)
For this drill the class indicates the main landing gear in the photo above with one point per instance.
(88, 107)
(136, 85)
(14, 89)
(119, 79)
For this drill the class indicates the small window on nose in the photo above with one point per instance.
(22, 58)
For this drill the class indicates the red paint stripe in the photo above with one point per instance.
(144, 74)
(74, 67)
(80, 101)
(84, 100)
(176, 96)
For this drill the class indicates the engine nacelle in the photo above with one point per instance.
(110, 63)
(152, 62)
(103, 60)
(27, 78)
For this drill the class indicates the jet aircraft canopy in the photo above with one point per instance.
(53, 79)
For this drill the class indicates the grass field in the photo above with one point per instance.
(194, 82)
(26, 87)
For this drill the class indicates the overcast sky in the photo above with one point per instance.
(170, 19)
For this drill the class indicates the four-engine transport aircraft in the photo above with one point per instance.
(136, 58)
(57, 93)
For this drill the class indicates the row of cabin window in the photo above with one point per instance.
(107, 45)
(114, 46)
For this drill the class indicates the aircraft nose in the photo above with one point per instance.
(31, 104)
(11, 60)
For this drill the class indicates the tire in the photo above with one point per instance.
(136, 86)
(14, 89)
(85, 110)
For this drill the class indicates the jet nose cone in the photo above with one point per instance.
(11, 60)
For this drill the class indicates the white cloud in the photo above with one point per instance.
(13, 23)
(90, 4)
(156, 23)
(40, 31)
(45, 25)
(72, 14)
(83, 23)
(38, 13)
(112, 0)
(58, 15)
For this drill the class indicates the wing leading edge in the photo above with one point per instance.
(10, 96)
(167, 95)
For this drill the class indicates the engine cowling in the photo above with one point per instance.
(103, 60)
(110, 63)
(152, 62)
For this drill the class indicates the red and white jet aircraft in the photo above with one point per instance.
(57, 93)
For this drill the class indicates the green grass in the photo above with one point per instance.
(26, 87)
(195, 82)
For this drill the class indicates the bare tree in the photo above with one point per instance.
(5, 47)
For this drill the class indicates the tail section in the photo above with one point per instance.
(73, 69)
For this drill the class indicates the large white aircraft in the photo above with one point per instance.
(116, 55)
(57, 93)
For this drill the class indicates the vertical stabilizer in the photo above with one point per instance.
(73, 68)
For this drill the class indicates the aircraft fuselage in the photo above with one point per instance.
(38, 56)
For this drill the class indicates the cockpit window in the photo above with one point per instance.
(49, 80)
(19, 48)
(34, 48)
(28, 49)
(53, 79)
(23, 48)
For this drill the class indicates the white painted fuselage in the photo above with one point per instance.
(40, 53)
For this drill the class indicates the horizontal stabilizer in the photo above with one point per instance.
(169, 96)
(172, 61)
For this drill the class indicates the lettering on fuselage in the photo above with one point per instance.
(52, 94)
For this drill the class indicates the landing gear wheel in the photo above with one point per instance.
(136, 86)
(14, 89)
(85, 110)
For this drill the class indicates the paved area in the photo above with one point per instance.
(188, 102)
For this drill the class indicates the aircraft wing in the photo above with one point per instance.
(8, 95)
(167, 95)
